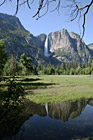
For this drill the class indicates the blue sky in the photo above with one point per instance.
(52, 21)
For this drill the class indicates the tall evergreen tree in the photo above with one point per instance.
(13, 66)
(3, 56)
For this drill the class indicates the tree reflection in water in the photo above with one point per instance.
(63, 120)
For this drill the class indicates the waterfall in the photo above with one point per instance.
(46, 47)
(46, 107)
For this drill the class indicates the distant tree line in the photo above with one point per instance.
(66, 69)
(25, 67)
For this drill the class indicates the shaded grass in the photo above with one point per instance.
(28, 79)
(36, 85)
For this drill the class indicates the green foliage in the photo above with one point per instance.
(13, 65)
(24, 67)
(18, 33)
(34, 70)
(11, 105)
(26, 62)
(7, 68)
(66, 69)
(12, 99)
(72, 71)
(14, 94)
(3, 56)
(18, 68)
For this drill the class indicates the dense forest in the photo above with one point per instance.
(24, 66)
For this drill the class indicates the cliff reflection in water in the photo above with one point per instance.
(58, 121)
(60, 110)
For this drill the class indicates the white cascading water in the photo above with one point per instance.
(46, 47)
(46, 107)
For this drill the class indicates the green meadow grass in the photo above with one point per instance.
(54, 88)
(61, 88)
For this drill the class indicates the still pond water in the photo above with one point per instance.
(58, 121)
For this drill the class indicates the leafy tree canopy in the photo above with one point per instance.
(26, 61)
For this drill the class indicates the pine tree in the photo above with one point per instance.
(3, 56)
(13, 66)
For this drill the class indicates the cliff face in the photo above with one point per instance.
(90, 46)
(59, 40)
(62, 46)
(69, 47)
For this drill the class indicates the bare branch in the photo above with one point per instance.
(76, 11)
(87, 7)
(17, 7)
(28, 4)
(57, 7)
(2, 2)
(40, 7)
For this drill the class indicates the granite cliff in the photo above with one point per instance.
(90, 46)
(69, 47)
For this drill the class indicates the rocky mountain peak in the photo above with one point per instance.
(42, 37)
(59, 40)
(10, 22)
(91, 46)
(59, 34)
(68, 47)
(74, 35)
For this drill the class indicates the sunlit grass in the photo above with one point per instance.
(62, 88)
(52, 88)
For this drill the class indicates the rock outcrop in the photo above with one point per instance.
(91, 46)
(69, 47)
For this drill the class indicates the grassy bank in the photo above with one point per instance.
(52, 88)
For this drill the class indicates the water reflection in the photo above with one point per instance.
(58, 121)
(69, 109)
(59, 110)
